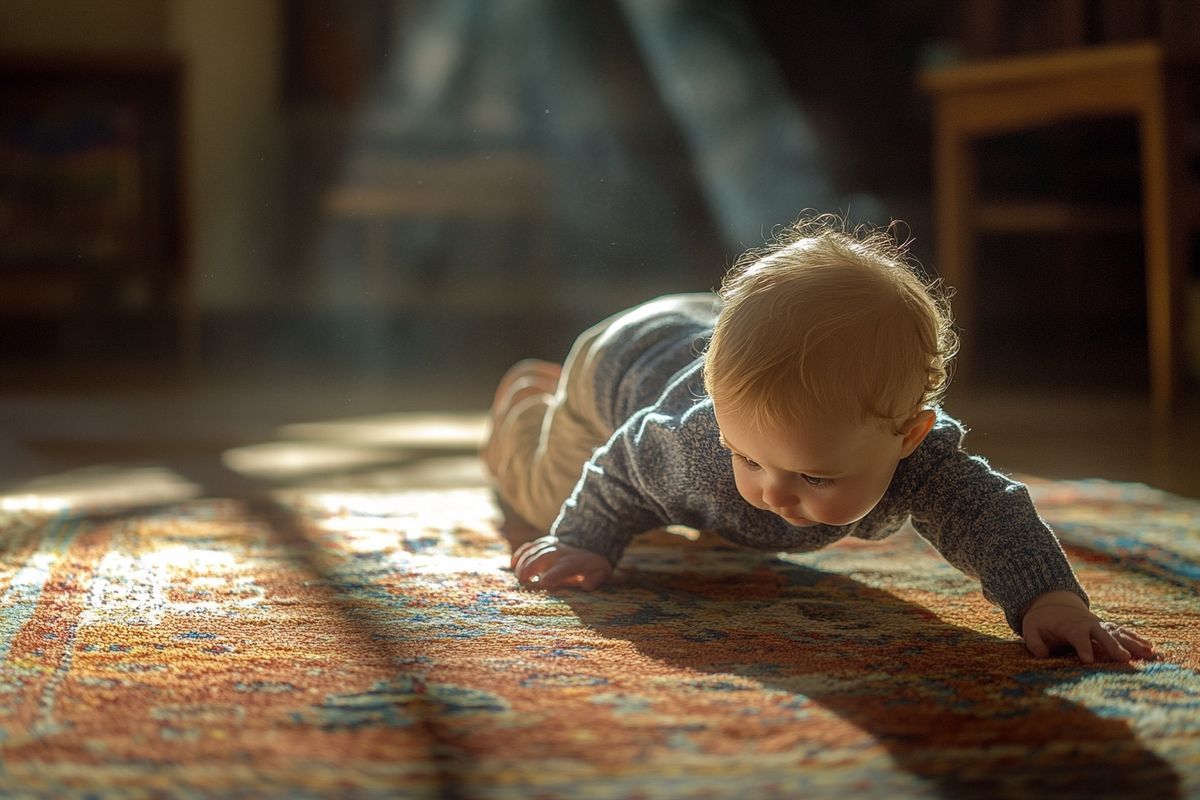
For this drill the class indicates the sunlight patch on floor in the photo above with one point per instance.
(462, 431)
(378, 452)
(99, 488)
(285, 460)
(437, 509)
(384, 453)
(428, 473)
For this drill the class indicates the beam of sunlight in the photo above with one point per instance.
(425, 473)
(436, 509)
(461, 431)
(418, 530)
(32, 502)
(756, 149)
(284, 460)
(99, 488)
(380, 451)
(137, 588)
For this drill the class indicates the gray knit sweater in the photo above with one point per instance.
(665, 465)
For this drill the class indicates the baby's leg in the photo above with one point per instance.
(544, 429)
(526, 379)
(518, 407)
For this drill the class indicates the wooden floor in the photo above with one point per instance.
(1083, 435)
(232, 434)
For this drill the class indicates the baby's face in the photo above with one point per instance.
(821, 470)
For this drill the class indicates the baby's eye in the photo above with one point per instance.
(750, 463)
(811, 481)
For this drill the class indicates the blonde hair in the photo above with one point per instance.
(829, 320)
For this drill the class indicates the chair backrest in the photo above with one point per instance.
(994, 28)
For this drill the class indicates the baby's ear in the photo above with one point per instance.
(915, 430)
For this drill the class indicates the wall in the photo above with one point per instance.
(233, 52)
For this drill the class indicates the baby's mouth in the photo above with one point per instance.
(799, 522)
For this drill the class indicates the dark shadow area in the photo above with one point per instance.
(970, 714)
(289, 528)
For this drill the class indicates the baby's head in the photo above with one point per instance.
(827, 356)
(825, 320)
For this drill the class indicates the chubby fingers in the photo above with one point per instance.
(531, 559)
(576, 570)
(1109, 646)
(1113, 642)
(1034, 643)
(520, 552)
(1081, 639)
(1131, 643)
(548, 564)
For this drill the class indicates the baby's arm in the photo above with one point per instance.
(1060, 619)
(986, 525)
(610, 505)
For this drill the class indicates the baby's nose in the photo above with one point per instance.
(779, 496)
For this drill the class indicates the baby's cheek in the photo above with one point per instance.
(840, 510)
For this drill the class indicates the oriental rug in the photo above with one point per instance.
(375, 645)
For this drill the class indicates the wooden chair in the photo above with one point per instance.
(975, 100)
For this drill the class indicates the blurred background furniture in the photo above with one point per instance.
(292, 112)
(92, 231)
(979, 99)
(381, 192)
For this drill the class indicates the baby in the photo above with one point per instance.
(798, 407)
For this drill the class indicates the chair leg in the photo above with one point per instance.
(954, 180)
(1165, 237)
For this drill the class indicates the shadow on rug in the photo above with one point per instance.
(376, 645)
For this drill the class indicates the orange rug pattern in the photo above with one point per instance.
(377, 646)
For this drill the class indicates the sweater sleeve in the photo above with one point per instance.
(984, 523)
(615, 500)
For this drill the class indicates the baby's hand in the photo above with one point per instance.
(1058, 619)
(548, 564)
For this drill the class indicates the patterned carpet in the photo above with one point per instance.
(375, 645)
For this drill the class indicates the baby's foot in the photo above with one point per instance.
(524, 379)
